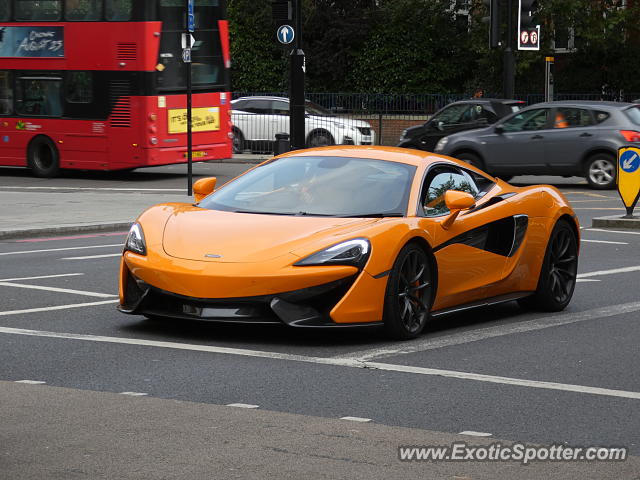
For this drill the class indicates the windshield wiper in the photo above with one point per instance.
(373, 215)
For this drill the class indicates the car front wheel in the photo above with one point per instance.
(601, 171)
(408, 297)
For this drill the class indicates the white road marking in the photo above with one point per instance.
(609, 231)
(340, 362)
(356, 419)
(613, 271)
(430, 343)
(580, 280)
(242, 405)
(41, 277)
(134, 394)
(30, 382)
(106, 189)
(93, 256)
(475, 434)
(59, 290)
(603, 241)
(57, 307)
(24, 252)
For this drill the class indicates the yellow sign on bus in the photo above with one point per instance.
(205, 119)
(628, 178)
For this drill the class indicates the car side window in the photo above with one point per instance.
(568, 117)
(449, 116)
(258, 106)
(527, 120)
(601, 116)
(439, 180)
(487, 114)
(280, 108)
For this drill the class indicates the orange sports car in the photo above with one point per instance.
(350, 236)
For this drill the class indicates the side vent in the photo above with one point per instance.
(127, 51)
(120, 103)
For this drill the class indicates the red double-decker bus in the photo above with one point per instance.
(101, 84)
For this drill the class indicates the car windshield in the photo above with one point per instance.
(315, 109)
(319, 186)
(634, 114)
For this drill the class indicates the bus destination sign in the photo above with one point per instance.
(32, 41)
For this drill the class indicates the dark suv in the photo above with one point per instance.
(457, 117)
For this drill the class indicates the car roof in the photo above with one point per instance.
(261, 97)
(586, 103)
(392, 154)
(488, 100)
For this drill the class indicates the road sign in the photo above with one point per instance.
(529, 38)
(187, 40)
(628, 178)
(285, 34)
(186, 55)
(191, 18)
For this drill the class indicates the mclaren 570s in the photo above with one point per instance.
(351, 236)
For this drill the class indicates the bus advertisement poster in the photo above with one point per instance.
(32, 41)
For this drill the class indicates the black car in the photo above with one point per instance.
(456, 117)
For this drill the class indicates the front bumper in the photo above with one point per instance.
(307, 307)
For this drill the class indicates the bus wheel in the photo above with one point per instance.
(43, 158)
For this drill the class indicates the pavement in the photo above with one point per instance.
(38, 211)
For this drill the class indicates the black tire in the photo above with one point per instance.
(409, 294)
(320, 138)
(471, 159)
(557, 279)
(600, 171)
(237, 142)
(43, 158)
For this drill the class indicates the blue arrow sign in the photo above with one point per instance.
(629, 161)
(286, 34)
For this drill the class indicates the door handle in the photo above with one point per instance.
(537, 137)
(586, 134)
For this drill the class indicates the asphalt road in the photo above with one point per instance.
(513, 375)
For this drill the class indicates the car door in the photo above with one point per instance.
(572, 135)
(280, 118)
(452, 119)
(516, 146)
(256, 123)
(466, 251)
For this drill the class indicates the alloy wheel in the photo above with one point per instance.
(413, 290)
(563, 265)
(601, 172)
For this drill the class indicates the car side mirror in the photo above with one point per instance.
(203, 187)
(440, 126)
(499, 129)
(456, 202)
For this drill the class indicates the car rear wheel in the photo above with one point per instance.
(43, 158)
(238, 141)
(471, 159)
(320, 138)
(408, 296)
(601, 171)
(559, 270)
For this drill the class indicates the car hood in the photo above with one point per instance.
(217, 236)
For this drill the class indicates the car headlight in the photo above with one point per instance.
(403, 135)
(351, 252)
(135, 240)
(441, 144)
(343, 126)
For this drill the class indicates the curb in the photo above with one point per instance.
(81, 228)
(616, 221)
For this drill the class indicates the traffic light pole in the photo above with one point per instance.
(509, 64)
(296, 85)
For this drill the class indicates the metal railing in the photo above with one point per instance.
(387, 115)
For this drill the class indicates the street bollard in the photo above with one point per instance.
(281, 144)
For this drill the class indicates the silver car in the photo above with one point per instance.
(555, 138)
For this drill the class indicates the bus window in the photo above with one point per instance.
(83, 10)
(30, 10)
(118, 10)
(79, 87)
(39, 96)
(5, 12)
(6, 94)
